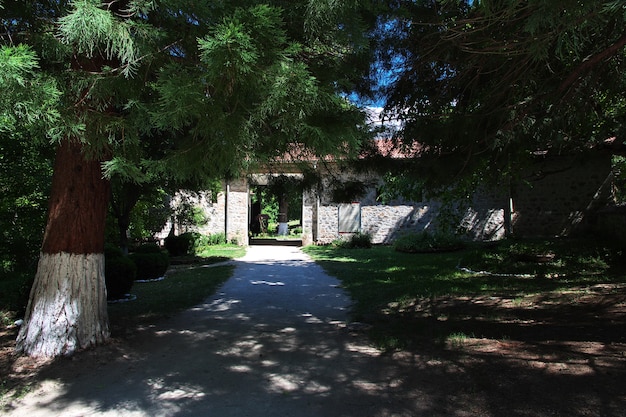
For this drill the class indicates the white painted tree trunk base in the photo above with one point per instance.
(67, 310)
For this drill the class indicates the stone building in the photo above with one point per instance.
(554, 196)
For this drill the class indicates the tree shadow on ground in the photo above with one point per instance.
(273, 341)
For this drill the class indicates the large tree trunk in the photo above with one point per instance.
(67, 309)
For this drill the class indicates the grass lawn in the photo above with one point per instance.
(218, 253)
(412, 298)
(187, 283)
(181, 289)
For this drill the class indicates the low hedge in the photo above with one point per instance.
(148, 248)
(151, 262)
(119, 273)
(355, 241)
(181, 245)
(426, 242)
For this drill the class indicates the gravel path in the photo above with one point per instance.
(271, 342)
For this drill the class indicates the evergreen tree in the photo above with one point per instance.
(483, 84)
(214, 87)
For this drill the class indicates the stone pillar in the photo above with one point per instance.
(309, 217)
(237, 206)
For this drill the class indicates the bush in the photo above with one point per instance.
(150, 264)
(181, 245)
(191, 243)
(148, 248)
(15, 290)
(119, 272)
(428, 242)
(356, 241)
(200, 241)
(112, 251)
(296, 231)
(216, 239)
(204, 242)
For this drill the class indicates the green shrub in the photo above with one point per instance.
(427, 242)
(15, 290)
(296, 231)
(119, 272)
(191, 243)
(210, 240)
(361, 240)
(216, 239)
(181, 245)
(150, 265)
(356, 241)
(204, 242)
(112, 251)
(148, 248)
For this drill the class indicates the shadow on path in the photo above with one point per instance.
(273, 342)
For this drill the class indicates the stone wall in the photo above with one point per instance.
(238, 203)
(481, 219)
(327, 223)
(385, 223)
(234, 195)
(484, 216)
(309, 217)
(484, 224)
(214, 211)
(556, 196)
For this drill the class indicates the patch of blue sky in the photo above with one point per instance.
(383, 76)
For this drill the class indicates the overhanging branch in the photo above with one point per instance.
(590, 62)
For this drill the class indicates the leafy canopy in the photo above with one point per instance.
(482, 84)
(183, 89)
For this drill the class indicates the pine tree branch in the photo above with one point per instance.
(121, 68)
(589, 63)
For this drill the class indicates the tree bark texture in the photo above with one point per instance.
(67, 308)
(78, 203)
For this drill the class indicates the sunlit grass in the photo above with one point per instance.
(457, 339)
(178, 291)
(183, 287)
(221, 252)
(374, 277)
(385, 284)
